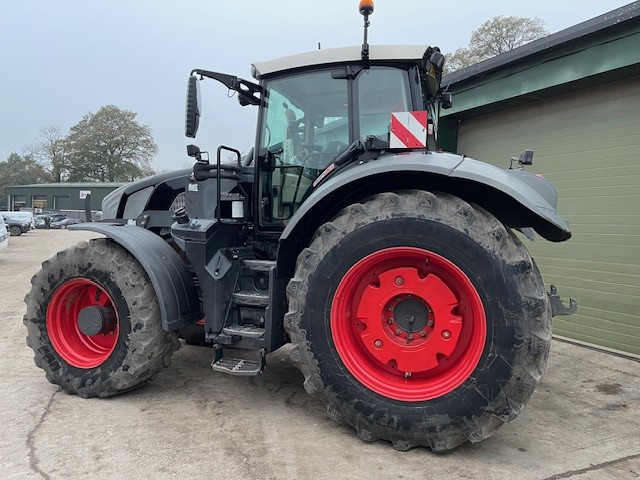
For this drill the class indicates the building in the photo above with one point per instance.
(58, 196)
(574, 98)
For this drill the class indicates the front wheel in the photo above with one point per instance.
(420, 318)
(93, 321)
(15, 230)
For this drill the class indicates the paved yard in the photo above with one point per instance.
(583, 421)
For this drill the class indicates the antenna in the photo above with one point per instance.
(366, 9)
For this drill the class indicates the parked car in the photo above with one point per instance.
(4, 235)
(53, 217)
(22, 216)
(65, 222)
(16, 226)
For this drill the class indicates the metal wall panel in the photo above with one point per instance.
(588, 144)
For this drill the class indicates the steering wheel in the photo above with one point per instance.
(313, 147)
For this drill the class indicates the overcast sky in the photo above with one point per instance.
(61, 59)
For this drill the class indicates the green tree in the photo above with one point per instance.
(495, 36)
(20, 170)
(109, 146)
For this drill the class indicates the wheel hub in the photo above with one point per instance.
(411, 314)
(94, 320)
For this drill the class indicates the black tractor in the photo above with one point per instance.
(393, 269)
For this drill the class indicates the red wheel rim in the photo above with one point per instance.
(76, 348)
(408, 324)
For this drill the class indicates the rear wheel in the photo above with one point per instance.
(93, 321)
(420, 318)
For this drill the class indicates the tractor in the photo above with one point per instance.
(392, 268)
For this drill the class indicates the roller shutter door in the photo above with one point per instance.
(588, 144)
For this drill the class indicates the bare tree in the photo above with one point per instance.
(495, 36)
(51, 150)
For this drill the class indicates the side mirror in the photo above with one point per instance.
(192, 114)
(437, 61)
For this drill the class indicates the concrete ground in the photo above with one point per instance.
(583, 421)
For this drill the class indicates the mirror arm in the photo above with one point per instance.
(244, 88)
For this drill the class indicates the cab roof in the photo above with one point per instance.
(338, 55)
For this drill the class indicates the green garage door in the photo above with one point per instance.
(588, 144)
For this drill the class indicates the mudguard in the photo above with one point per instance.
(533, 198)
(172, 282)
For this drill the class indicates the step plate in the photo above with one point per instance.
(237, 366)
(244, 331)
(251, 299)
(260, 265)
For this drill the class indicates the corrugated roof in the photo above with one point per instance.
(630, 12)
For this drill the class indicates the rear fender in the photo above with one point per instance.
(518, 199)
(171, 280)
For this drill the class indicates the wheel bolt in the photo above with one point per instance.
(430, 323)
(398, 299)
(407, 374)
(390, 321)
(410, 336)
(399, 280)
(390, 308)
(446, 334)
(398, 332)
(377, 344)
(423, 334)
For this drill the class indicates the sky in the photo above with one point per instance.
(62, 59)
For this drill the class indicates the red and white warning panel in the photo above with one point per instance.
(408, 130)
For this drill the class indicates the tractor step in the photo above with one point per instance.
(244, 331)
(238, 366)
(260, 265)
(252, 299)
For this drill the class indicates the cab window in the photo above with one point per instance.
(306, 125)
(381, 91)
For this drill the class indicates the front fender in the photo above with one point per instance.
(172, 282)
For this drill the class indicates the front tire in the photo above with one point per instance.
(420, 318)
(102, 280)
(15, 230)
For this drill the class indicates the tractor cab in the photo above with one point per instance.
(317, 106)
(313, 112)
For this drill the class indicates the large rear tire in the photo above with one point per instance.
(105, 282)
(420, 319)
